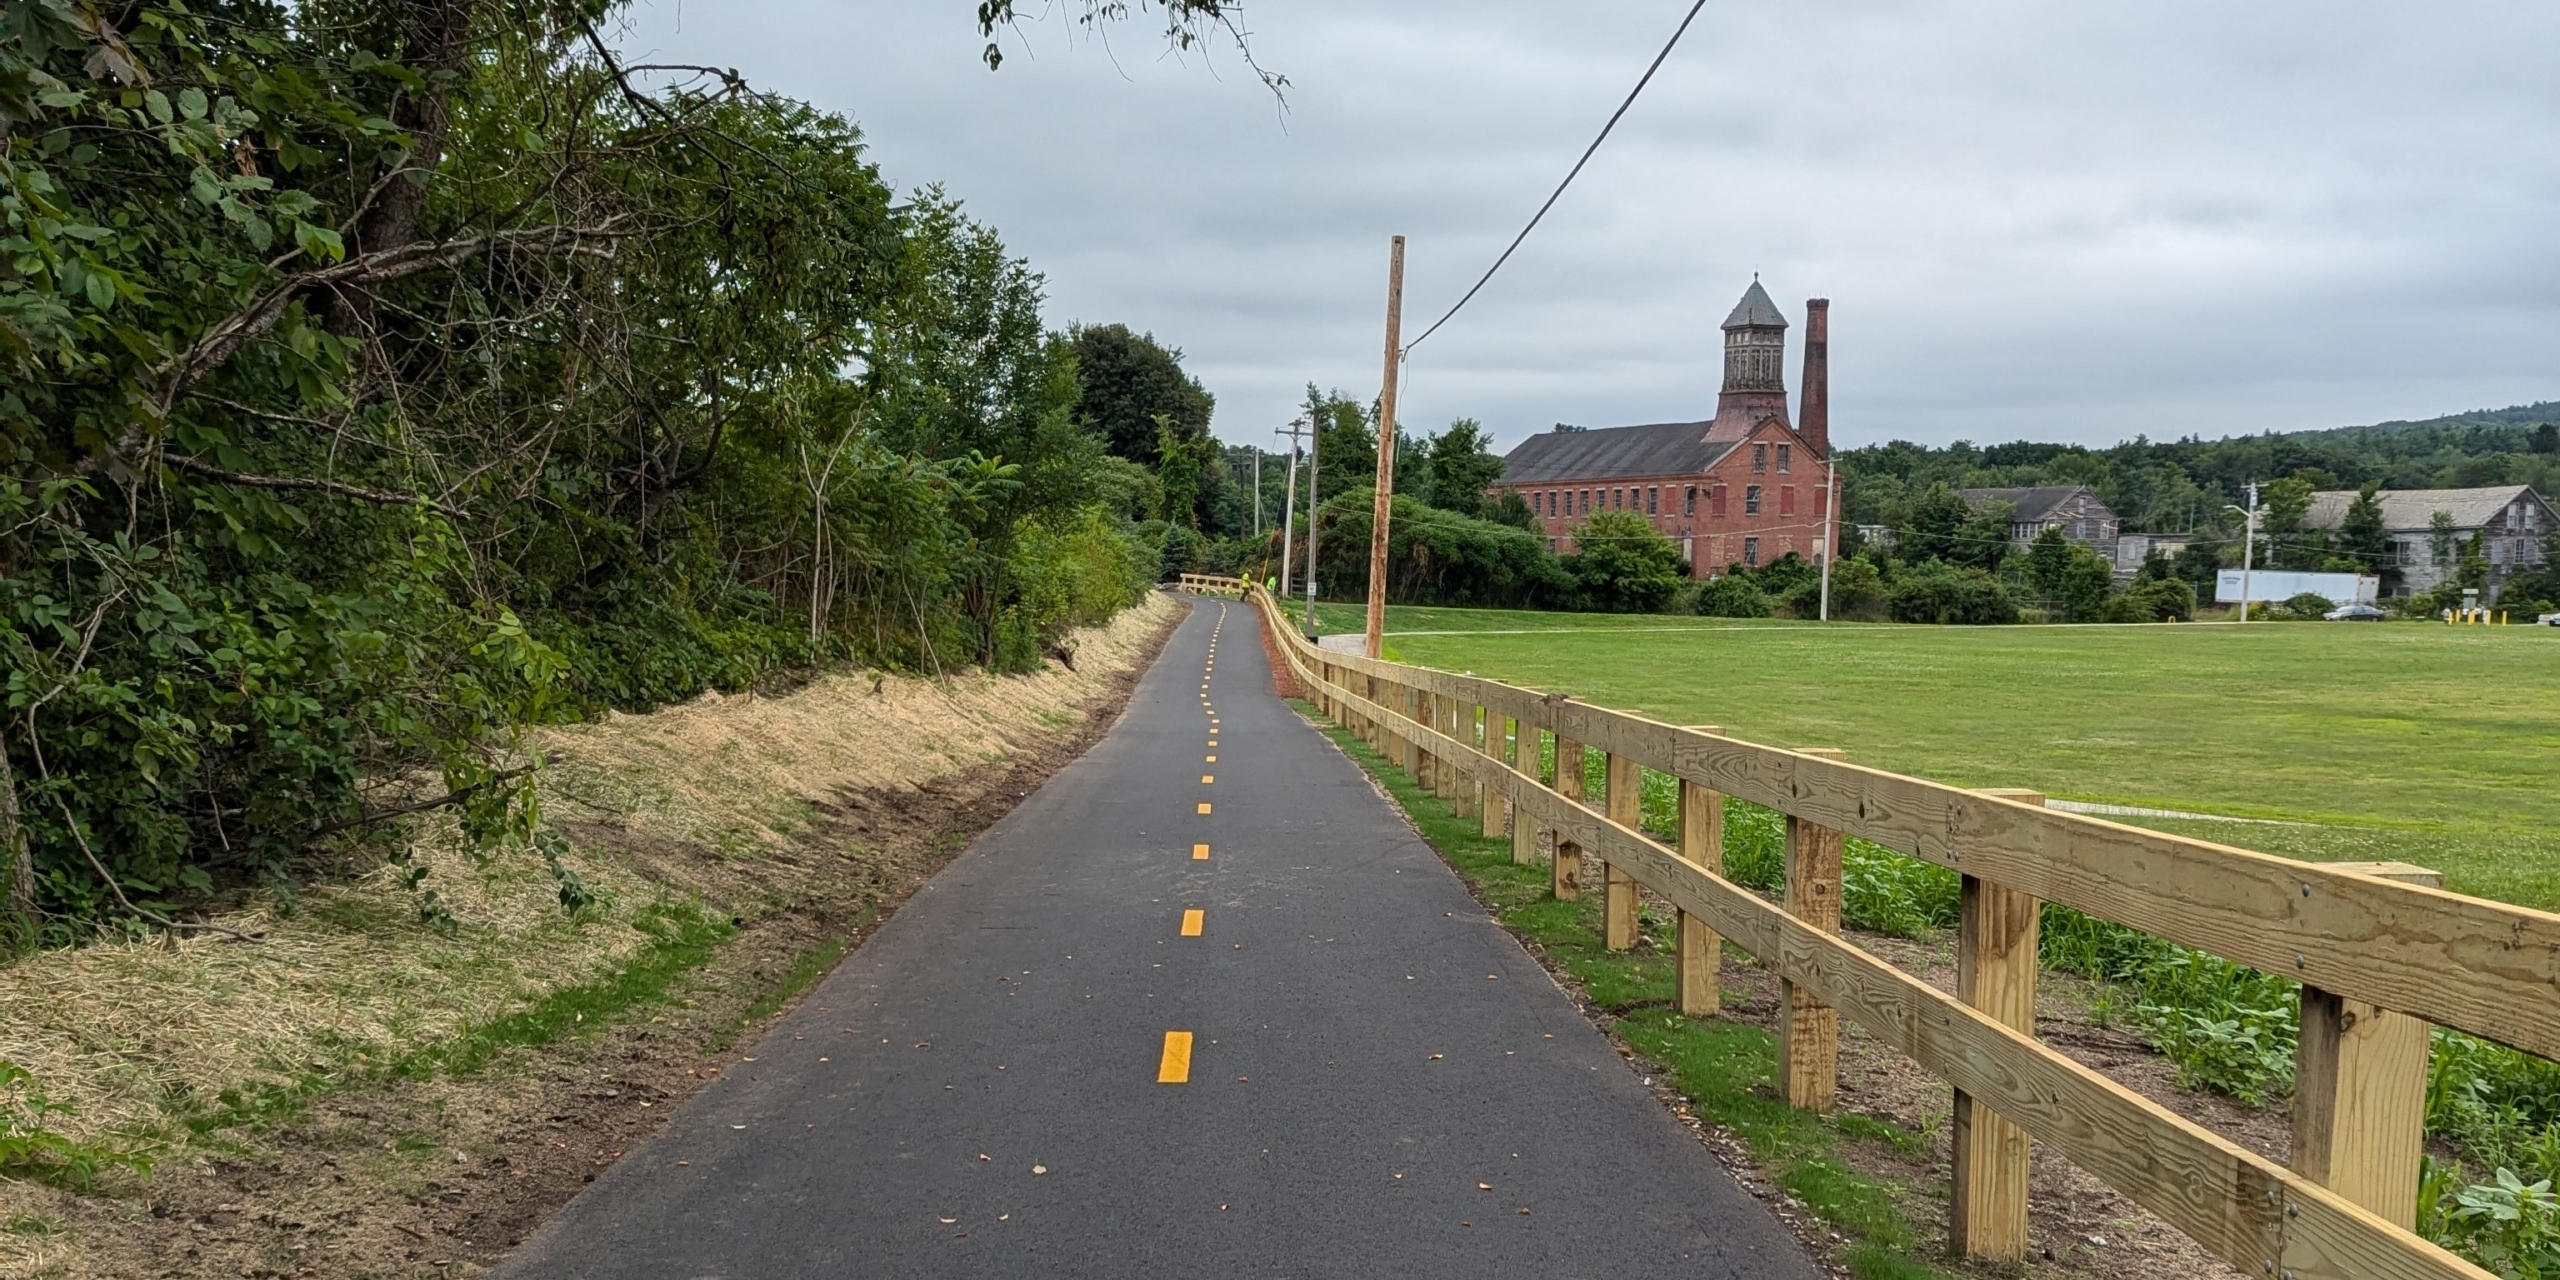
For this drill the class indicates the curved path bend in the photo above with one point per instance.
(1378, 1080)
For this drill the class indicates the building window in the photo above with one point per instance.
(1689, 504)
(1751, 552)
(1821, 503)
(1551, 546)
(1652, 500)
(1786, 499)
(1751, 500)
(1759, 457)
(1715, 501)
(1585, 501)
(1784, 465)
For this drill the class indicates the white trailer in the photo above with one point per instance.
(2277, 585)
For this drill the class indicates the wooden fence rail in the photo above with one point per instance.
(1213, 584)
(2380, 951)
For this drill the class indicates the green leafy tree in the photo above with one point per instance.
(1513, 510)
(381, 380)
(1462, 469)
(1936, 527)
(2443, 543)
(1623, 565)
(1130, 380)
(1179, 459)
(2364, 538)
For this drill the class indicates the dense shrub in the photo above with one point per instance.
(2308, 606)
(1621, 564)
(2156, 600)
(1857, 593)
(1942, 593)
(1730, 595)
(1438, 557)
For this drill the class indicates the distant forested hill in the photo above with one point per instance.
(2176, 486)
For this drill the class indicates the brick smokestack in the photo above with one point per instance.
(1815, 424)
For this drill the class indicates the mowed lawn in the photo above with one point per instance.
(2429, 744)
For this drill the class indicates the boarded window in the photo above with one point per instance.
(1786, 499)
(1715, 501)
(1821, 502)
(1751, 500)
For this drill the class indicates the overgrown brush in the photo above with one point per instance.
(31, 1152)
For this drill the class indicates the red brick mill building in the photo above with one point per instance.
(1745, 487)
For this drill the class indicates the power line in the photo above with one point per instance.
(1587, 153)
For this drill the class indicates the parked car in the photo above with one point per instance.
(2548, 620)
(2354, 613)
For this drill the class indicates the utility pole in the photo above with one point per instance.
(1830, 529)
(1257, 493)
(2248, 545)
(2248, 550)
(1382, 500)
(1289, 500)
(1315, 456)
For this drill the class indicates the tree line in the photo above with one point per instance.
(379, 379)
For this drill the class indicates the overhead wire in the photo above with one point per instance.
(1587, 153)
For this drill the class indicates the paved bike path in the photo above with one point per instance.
(1381, 1081)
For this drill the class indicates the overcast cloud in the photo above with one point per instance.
(2068, 221)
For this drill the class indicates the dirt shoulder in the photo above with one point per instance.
(746, 849)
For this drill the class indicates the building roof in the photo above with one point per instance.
(2405, 510)
(1655, 449)
(2032, 503)
(1755, 311)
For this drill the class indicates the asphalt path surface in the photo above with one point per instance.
(1380, 1081)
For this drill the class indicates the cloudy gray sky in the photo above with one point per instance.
(2070, 221)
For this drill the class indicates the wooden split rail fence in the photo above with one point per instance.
(2381, 951)
(1211, 584)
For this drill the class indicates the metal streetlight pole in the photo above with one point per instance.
(1830, 529)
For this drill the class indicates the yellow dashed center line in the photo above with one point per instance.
(1192, 920)
(1207, 778)
(1208, 759)
(1175, 1066)
(1200, 852)
(1204, 806)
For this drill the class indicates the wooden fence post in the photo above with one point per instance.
(1497, 748)
(1565, 870)
(1417, 762)
(1462, 771)
(2360, 1089)
(1701, 953)
(1393, 698)
(1529, 754)
(1809, 1039)
(1995, 973)
(1618, 903)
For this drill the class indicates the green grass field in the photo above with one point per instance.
(2428, 744)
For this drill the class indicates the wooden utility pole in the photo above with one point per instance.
(1289, 501)
(1385, 495)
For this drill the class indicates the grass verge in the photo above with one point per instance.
(1726, 1071)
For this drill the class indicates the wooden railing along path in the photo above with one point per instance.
(2381, 952)
(1212, 584)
